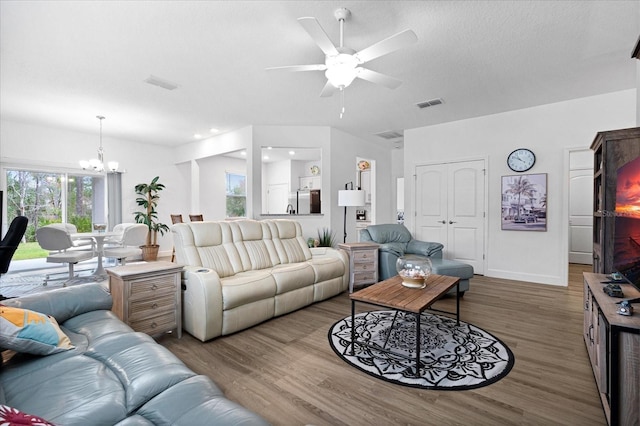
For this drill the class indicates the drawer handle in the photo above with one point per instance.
(365, 266)
(364, 255)
(154, 287)
(154, 325)
(154, 306)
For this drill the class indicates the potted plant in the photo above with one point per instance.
(326, 238)
(148, 199)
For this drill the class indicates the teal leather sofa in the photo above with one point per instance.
(395, 240)
(112, 376)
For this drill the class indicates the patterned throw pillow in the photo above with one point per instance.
(11, 416)
(27, 331)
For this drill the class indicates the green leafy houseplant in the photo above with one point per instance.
(148, 199)
(326, 237)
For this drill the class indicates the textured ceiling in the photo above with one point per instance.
(63, 63)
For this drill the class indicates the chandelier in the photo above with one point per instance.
(97, 164)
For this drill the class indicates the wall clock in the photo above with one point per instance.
(521, 160)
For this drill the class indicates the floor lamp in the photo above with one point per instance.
(349, 198)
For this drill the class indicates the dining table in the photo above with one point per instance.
(99, 238)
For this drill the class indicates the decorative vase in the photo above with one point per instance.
(413, 271)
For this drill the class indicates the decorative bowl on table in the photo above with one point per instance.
(413, 271)
(99, 227)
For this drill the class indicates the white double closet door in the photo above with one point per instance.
(450, 209)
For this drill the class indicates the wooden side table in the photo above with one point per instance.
(147, 296)
(363, 263)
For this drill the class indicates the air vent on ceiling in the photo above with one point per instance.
(391, 134)
(430, 102)
(156, 81)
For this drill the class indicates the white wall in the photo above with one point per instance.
(397, 171)
(548, 130)
(187, 156)
(345, 150)
(40, 147)
(213, 193)
(185, 169)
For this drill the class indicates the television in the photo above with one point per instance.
(626, 245)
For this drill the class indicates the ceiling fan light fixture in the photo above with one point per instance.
(341, 70)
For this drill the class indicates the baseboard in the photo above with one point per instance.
(533, 278)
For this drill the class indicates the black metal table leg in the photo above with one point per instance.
(458, 303)
(418, 344)
(353, 327)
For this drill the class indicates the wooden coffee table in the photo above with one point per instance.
(392, 294)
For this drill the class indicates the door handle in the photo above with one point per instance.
(442, 221)
(451, 221)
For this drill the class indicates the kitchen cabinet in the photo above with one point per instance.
(310, 182)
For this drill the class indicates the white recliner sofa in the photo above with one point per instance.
(240, 273)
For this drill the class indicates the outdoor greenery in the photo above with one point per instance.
(39, 197)
(148, 199)
(236, 195)
(29, 251)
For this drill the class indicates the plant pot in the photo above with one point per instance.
(150, 253)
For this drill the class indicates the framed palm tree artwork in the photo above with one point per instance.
(524, 202)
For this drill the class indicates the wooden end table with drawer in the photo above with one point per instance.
(363, 263)
(147, 296)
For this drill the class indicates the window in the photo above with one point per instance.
(236, 195)
(51, 197)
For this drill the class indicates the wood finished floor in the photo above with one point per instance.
(285, 370)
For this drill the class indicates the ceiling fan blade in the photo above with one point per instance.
(388, 45)
(293, 68)
(328, 90)
(312, 26)
(378, 78)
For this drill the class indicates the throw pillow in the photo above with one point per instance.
(28, 331)
(11, 416)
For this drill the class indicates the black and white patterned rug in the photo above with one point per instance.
(454, 357)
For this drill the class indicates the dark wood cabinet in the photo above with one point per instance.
(613, 345)
(612, 149)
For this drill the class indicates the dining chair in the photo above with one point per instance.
(133, 237)
(175, 218)
(58, 242)
(78, 243)
(196, 218)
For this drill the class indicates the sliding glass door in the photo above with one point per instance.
(50, 197)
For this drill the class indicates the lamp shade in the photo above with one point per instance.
(351, 198)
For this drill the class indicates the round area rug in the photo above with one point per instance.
(454, 357)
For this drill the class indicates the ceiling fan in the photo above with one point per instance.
(342, 64)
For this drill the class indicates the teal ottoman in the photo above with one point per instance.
(453, 268)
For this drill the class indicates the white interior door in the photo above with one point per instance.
(466, 214)
(581, 216)
(277, 198)
(450, 209)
